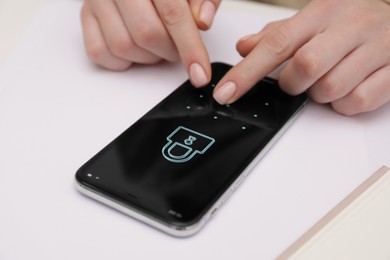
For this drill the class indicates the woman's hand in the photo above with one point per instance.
(118, 33)
(337, 50)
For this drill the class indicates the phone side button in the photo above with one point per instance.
(227, 195)
(241, 178)
(213, 212)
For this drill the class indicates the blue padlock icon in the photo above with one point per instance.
(183, 144)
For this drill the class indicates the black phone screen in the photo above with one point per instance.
(177, 160)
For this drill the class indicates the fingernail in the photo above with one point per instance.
(207, 13)
(224, 93)
(245, 37)
(197, 75)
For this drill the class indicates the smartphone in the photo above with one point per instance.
(175, 166)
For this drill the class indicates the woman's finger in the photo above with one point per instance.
(95, 44)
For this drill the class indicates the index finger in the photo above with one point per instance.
(178, 20)
(274, 47)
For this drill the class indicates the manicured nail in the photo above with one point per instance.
(197, 75)
(246, 37)
(207, 13)
(224, 93)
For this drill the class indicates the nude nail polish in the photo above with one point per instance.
(207, 13)
(225, 93)
(197, 75)
(246, 38)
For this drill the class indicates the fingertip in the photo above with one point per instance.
(245, 38)
(198, 75)
(245, 45)
(242, 50)
(207, 14)
(204, 13)
(224, 94)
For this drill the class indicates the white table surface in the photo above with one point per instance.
(57, 110)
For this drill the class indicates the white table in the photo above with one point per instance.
(57, 110)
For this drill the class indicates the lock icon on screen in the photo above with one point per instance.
(184, 143)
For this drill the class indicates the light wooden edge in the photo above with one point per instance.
(333, 213)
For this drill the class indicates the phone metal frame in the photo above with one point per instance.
(179, 231)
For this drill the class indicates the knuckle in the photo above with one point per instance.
(307, 63)
(96, 51)
(330, 88)
(147, 36)
(277, 42)
(84, 10)
(287, 82)
(286, 86)
(172, 13)
(120, 46)
(274, 24)
(362, 102)
(368, 19)
(269, 26)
